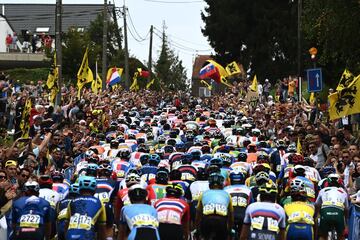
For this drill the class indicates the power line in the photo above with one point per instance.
(136, 32)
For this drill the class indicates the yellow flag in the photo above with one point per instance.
(53, 93)
(312, 98)
(206, 84)
(53, 74)
(254, 85)
(84, 74)
(148, 85)
(25, 119)
(135, 86)
(346, 79)
(96, 84)
(232, 68)
(220, 68)
(346, 101)
(298, 146)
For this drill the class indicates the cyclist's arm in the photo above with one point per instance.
(282, 234)
(230, 216)
(47, 228)
(122, 235)
(199, 213)
(101, 223)
(245, 231)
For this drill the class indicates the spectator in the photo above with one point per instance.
(14, 42)
(266, 89)
(8, 42)
(26, 43)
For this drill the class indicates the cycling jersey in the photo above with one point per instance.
(61, 210)
(137, 217)
(241, 197)
(105, 191)
(215, 202)
(83, 213)
(148, 172)
(62, 189)
(30, 214)
(120, 167)
(197, 188)
(155, 192)
(265, 220)
(188, 173)
(50, 195)
(300, 212)
(172, 211)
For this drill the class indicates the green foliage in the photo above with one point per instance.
(257, 33)
(333, 27)
(25, 75)
(169, 68)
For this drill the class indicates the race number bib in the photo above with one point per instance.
(144, 220)
(187, 177)
(169, 216)
(258, 223)
(212, 208)
(103, 197)
(30, 220)
(78, 221)
(238, 201)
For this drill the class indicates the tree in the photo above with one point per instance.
(333, 27)
(260, 34)
(169, 68)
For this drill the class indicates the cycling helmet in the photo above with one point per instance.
(91, 169)
(31, 185)
(131, 136)
(154, 159)
(196, 154)
(297, 187)
(299, 170)
(237, 177)
(262, 157)
(137, 193)
(114, 144)
(309, 162)
(87, 183)
(281, 144)
(132, 179)
(295, 159)
(175, 174)
(326, 171)
(174, 190)
(205, 149)
(144, 159)
(213, 169)
(242, 157)
(124, 154)
(45, 180)
(74, 188)
(216, 161)
(291, 148)
(171, 142)
(161, 139)
(216, 179)
(186, 159)
(268, 189)
(263, 167)
(262, 177)
(106, 168)
(334, 180)
(143, 148)
(202, 174)
(57, 176)
(162, 176)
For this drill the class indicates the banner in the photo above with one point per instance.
(25, 119)
(53, 74)
(346, 79)
(298, 146)
(96, 84)
(148, 85)
(232, 68)
(113, 76)
(84, 74)
(135, 86)
(206, 84)
(346, 101)
(254, 85)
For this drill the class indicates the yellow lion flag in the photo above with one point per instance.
(232, 68)
(346, 79)
(346, 101)
(53, 74)
(84, 74)
(96, 84)
(254, 85)
(25, 119)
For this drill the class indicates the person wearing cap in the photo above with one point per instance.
(31, 214)
(264, 219)
(138, 217)
(11, 170)
(266, 89)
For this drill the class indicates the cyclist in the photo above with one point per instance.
(173, 214)
(197, 188)
(264, 219)
(61, 209)
(214, 215)
(138, 217)
(300, 213)
(106, 189)
(157, 190)
(332, 203)
(241, 197)
(58, 184)
(85, 214)
(31, 214)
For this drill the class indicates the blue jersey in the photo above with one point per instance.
(148, 172)
(139, 216)
(31, 213)
(83, 213)
(215, 202)
(61, 210)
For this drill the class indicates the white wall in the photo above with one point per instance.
(4, 31)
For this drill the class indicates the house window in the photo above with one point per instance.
(204, 92)
(81, 29)
(42, 29)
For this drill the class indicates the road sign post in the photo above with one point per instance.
(314, 77)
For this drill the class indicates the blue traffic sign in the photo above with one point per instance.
(314, 77)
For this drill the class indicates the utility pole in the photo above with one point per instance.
(104, 47)
(150, 52)
(299, 37)
(127, 82)
(117, 32)
(58, 48)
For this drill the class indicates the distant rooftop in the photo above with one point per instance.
(38, 18)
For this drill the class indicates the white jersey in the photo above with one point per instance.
(197, 188)
(50, 195)
(332, 197)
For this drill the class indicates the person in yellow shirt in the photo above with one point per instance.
(299, 213)
(291, 87)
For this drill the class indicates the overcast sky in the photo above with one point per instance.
(182, 19)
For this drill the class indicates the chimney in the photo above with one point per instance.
(3, 9)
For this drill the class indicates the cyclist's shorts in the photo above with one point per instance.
(142, 233)
(331, 218)
(29, 234)
(171, 231)
(193, 206)
(109, 214)
(214, 227)
(295, 231)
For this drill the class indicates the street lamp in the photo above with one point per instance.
(313, 51)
